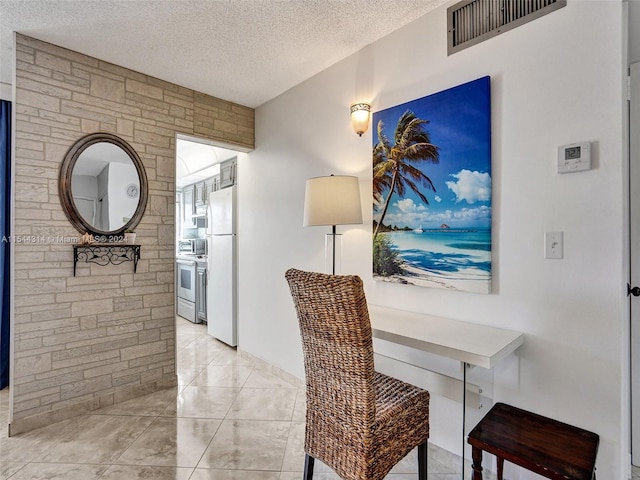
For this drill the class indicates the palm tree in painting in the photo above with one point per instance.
(395, 166)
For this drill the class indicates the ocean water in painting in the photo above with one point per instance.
(451, 258)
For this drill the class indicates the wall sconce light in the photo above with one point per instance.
(360, 117)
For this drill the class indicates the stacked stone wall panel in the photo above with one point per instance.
(107, 334)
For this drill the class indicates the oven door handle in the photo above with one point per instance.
(191, 263)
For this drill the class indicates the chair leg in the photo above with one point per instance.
(423, 460)
(308, 467)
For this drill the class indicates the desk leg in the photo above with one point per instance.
(464, 414)
(476, 456)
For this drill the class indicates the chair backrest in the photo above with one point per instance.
(338, 348)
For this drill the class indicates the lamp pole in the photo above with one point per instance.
(333, 253)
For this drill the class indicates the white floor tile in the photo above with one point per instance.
(227, 420)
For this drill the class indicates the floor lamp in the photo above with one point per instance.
(333, 200)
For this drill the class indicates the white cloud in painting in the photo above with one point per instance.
(464, 215)
(471, 186)
(437, 198)
(407, 205)
(406, 214)
(473, 214)
(421, 217)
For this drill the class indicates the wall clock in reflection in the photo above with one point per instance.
(132, 191)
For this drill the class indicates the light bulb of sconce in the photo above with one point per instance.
(360, 113)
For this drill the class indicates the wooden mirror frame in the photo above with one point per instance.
(64, 184)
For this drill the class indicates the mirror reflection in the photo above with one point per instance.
(105, 187)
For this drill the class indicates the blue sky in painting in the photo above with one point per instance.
(460, 126)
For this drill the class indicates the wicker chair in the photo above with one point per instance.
(359, 422)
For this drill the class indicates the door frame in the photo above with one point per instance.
(632, 144)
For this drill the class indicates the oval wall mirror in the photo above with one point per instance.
(103, 186)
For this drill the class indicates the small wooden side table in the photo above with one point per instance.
(547, 447)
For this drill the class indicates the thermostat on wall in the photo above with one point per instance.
(575, 157)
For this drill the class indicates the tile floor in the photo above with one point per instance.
(228, 419)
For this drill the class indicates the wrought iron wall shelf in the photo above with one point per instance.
(105, 254)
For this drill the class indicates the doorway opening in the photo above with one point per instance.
(206, 260)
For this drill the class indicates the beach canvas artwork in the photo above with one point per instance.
(432, 190)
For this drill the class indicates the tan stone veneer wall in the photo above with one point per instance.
(107, 334)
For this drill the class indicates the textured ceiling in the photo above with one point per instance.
(245, 51)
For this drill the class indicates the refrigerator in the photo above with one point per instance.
(222, 269)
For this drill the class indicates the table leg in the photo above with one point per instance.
(464, 412)
(500, 465)
(476, 456)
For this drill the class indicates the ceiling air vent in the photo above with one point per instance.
(474, 21)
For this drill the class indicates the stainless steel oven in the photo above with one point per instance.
(186, 289)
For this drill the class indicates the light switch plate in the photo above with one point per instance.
(553, 245)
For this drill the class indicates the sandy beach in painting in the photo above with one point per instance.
(454, 260)
(424, 278)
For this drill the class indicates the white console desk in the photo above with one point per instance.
(469, 344)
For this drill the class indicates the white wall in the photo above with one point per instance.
(121, 206)
(554, 81)
(5, 91)
(634, 31)
(84, 186)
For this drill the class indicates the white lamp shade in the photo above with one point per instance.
(333, 200)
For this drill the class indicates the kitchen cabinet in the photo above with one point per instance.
(200, 195)
(211, 185)
(200, 198)
(188, 206)
(228, 173)
(195, 196)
